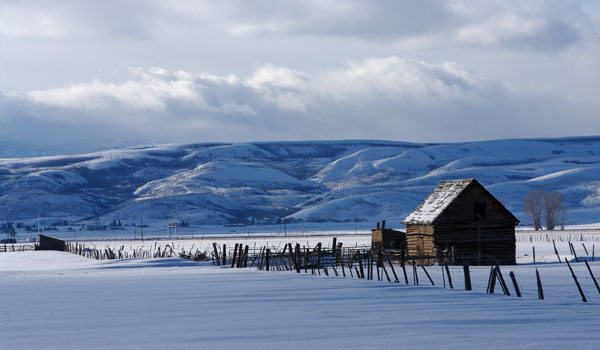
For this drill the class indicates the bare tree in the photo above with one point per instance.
(553, 204)
(533, 207)
(563, 217)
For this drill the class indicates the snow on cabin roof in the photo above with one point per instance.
(437, 202)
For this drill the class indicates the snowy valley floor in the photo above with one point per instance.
(54, 300)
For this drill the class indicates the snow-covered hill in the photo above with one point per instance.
(305, 181)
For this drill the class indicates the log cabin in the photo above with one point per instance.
(462, 217)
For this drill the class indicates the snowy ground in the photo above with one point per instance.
(54, 300)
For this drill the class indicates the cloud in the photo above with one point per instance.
(389, 97)
(536, 25)
(541, 25)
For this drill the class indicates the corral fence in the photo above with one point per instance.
(16, 247)
(362, 262)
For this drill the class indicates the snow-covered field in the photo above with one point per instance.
(54, 300)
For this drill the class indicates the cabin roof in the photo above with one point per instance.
(437, 202)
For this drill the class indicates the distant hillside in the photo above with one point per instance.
(306, 181)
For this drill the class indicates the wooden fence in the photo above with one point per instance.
(16, 247)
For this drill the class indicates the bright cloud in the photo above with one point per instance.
(358, 98)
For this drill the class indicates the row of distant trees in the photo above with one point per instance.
(546, 208)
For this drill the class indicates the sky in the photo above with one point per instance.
(204, 71)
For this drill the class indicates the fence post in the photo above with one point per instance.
(492, 281)
(467, 275)
(427, 274)
(503, 284)
(268, 257)
(592, 274)
(583, 298)
(556, 251)
(539, 285)
(392, 267)
(449, 277)
(297, 257)
(362, 271)
(235, 250)
(574, 253)
(515, 284)
(415, 274)
(585, 249)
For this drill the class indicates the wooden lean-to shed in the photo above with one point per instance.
(461, 217)
(387, 238)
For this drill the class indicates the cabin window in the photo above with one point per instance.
(479, 211)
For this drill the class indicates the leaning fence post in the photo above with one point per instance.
(515, 284)
(467, 275)
(593, 277)
(448, 273)
(380, 261)
(574, 253)
(360, 273)
(584, 248)
(415, 274)
(404, 270)
(503, 284)
(533, 255)
(583, 298)
(443, 276)
(492, 281)
(392, 267)
(539, 285)
(235, 250)
(224, 255)
(342, 262)
(556, 251)
(427, 274)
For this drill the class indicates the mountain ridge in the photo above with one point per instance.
(310, 181)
